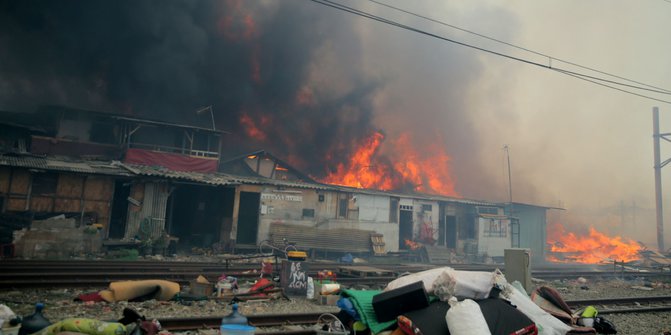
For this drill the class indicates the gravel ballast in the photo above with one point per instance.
(60, 304)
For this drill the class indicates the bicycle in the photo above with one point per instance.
(268, 247)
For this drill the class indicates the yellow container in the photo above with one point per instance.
(297, 255)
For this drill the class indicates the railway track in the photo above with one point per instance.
(604, 306)
(265, 323)
(625, 305)
(20, 273)
(33, 273)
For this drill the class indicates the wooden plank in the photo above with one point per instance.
(67, 205)
(42, 204)
(16, 204)
(377, 242)
(99, 188)
(4, 179)
(101, 208)
(69, 186)
(20, 182)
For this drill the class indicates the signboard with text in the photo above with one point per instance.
(294, 278)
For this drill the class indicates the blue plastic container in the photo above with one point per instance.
(233, 329)
(235, 318)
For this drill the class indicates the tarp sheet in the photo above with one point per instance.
(169, 160)
(363, 303)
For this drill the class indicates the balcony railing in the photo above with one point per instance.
(175, 150)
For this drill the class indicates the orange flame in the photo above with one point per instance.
(594, 248)
(251, 129)
(429, 174)
(360, 171)
(368, 168)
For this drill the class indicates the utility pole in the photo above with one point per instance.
(514, 223)
(510, 183)
(658, 177)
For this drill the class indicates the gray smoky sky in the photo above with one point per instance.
(315, 81)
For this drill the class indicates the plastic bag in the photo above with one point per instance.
(547, 324)
(463, 284)
(346, 305)
(465, 318)
(428, 277)
(311, 289)
(330, 289)
(6, 314)
(604, 326)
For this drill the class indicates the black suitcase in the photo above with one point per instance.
(390, 304)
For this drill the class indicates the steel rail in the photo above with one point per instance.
(632, 304)
(261, 321)
(45, 281)
(623, 300)
(258, 320)
(35, 273)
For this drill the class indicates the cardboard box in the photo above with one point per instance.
(201, 289)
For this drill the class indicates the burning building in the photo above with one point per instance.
(136, 180)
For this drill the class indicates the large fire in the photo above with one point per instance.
(251, 127)
(400, 168)
(596, 247)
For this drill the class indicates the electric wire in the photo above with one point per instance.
(550, 58)
(581, 77)
(590, 79)
(394, 23)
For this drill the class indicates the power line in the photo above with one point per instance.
(611, 81)
(591, 79)
(550, 58)
(581, 77)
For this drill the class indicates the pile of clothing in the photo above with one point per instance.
(447, 301)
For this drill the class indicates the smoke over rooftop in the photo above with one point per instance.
(305, 82)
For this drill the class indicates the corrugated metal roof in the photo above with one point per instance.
(215, 179)
(62, 164)
(531, 205)
(220, 179)
(419, 196)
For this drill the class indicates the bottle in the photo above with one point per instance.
(34, 322)
(235, 324)
(235, 318)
